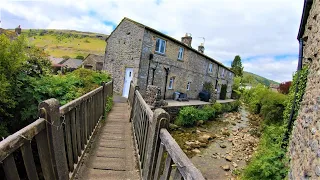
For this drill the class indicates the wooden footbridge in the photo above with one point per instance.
(79, 141)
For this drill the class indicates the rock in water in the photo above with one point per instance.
(173, 126)
(223, 146)
(226, 167)
(204, 138)
(196, 151)
(229, 158)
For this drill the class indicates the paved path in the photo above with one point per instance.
(112, 154)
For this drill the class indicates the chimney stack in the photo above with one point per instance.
(18, 30)
(201, 48)
(187, 39)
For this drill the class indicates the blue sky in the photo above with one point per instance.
(262, 32)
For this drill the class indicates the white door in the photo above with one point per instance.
(127, 79)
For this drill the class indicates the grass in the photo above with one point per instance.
(70, 43)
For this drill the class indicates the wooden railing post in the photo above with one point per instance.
(49, 110)
(103, 98)
(133, 100)
(160, 120)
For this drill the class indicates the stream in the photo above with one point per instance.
(221, 148)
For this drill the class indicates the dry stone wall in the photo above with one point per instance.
(304, 146)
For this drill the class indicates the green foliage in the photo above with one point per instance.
(109, 104)
(301, 89)
(265, 102)
(80, 57)
(26, 80)
(207, 86)
(256, 79)
(188, 116)
(269, 161)
(66, 57)
(236, 66)
(236, 83)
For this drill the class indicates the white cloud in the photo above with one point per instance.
(277, 70)
(250, 28)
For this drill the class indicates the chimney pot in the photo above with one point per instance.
(201, 48)
(187, 39)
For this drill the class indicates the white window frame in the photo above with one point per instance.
(210, 69)
(180, 53)
(162, 42)
(188, 86)
(171, 82)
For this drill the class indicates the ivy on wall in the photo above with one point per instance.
(302, 83)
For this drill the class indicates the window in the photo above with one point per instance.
(188, 86)
(171, 83)
(160, 46)
(222, 74)
(210, 68)
(230, 75)
(180, 53)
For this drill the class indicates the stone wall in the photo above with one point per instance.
(192, 68)
(304, 146)
(123, 51)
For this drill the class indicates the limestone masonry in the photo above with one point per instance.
(162, 61)
(304, 146)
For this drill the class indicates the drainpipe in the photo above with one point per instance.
(153, 70)
(165, 85)
(150, 58)
(286, 137)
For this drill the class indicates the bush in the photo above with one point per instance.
(109, 103)
(268, 162)
(217, 107)
(80, 57)
(188, 116)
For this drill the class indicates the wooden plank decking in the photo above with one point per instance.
(112, 155)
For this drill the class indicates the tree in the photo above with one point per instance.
(236, 66)
(284, 87)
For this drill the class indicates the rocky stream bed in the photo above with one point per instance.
(220, 148)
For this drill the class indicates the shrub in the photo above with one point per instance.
(217, 107)
(80, 57)
(268, 162)
(187, 116)
(109, 103)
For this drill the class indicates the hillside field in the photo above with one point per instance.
(70, 43)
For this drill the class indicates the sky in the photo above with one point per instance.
(262, 32)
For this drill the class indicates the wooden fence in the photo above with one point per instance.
(61, 135)
(157, 151)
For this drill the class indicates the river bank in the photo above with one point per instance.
(221, 148)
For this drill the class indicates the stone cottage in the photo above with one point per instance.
(148, 57)
(304, 146)
(94, 62)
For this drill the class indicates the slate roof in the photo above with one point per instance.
(172, 39)
(73, 63)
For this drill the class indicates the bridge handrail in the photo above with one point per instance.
(61, 135)
(152, 139)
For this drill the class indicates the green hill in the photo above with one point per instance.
(70, 43)
(255, 79)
